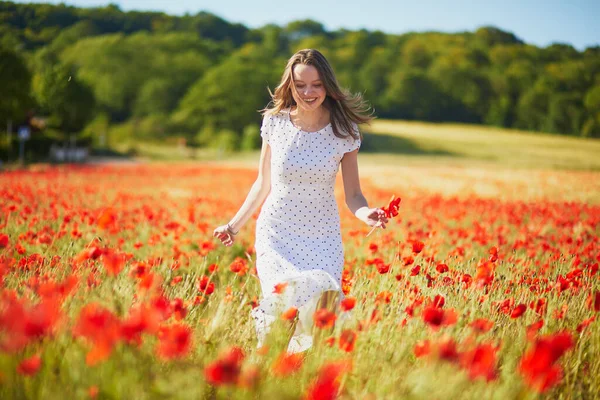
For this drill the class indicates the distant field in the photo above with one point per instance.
(458, 143)
(453, 160)
(429, 144)
(464, 160)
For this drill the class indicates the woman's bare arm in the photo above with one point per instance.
(256, 196)
(355, 200)
(258, 192)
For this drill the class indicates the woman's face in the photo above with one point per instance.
(310, 91)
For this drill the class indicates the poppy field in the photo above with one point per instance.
(113, 287)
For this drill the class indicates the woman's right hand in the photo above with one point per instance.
(224, 236)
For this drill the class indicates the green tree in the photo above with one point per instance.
(301, 29)
(228, 95)
(532, 108)
(69, 102)
(565, 114)
(123, 70)
(491, 36)
(591, 127)
(15, 81)
(412, 95)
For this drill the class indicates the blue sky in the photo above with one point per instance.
(540, 22)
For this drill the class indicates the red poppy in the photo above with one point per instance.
(534, 328)
(239, 266)
(326, 386)
(113, 262)
(174, 341)
(3, 240)
(384, 297)
(391, 210)
(485, 273)
(442, 268)
(280, 288)
(422, 348)
(324, 318)
(348, 303)
(482, 325)
(436, 317)
(107, 218)
(178, 308)
(205, 285)
(225, 370)
(447, 350)
(289, 314)
(439, 301)
(518, 311)
(101, 327)
(538, 366)
(30, 366)
(481, 362)
(417, 246)
(348, 340)
(585, 323)
(287, 364)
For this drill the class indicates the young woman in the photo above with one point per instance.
(309, 130)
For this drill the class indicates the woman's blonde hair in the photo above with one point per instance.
(344, 107)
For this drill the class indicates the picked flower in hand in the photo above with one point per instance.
(391, 210)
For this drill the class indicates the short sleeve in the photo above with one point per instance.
(266, 128)
(351, 143)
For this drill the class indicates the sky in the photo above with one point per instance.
(539, 22)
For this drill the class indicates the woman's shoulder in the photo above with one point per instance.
(276, 116)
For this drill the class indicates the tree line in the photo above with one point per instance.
(149, 75)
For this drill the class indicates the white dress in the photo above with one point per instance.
(298, 237)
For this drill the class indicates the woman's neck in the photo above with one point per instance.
(312, 119)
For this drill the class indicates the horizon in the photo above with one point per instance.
(576, 18)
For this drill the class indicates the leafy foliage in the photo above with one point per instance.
(200, 73)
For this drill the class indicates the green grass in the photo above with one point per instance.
(476, 144)
(391, 142)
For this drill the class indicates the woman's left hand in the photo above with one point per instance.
(372, 216)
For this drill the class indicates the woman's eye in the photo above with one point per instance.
(318, 85)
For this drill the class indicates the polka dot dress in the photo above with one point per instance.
(298, 237)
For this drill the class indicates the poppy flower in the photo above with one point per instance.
(481, 325)
(348, 303)
(289, 314)
(326, 386)
(442, 268)
(436, 317)
(417, 246)
(391, 210)
(324, 318)
(100, 327)
(518, 311)
(174, 341)
(481, 362)
(286, 364)
(205, 285)
(30, 366)
(539, 365)
(280, 288)
(239, 266)
(348, 340)
(422, 348)
(225, 370)
(3, 240)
